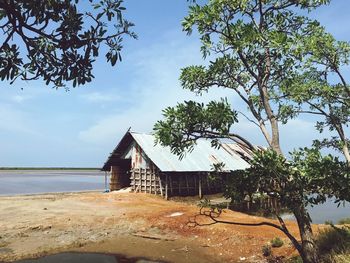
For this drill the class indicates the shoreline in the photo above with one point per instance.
(48, 168)
(51, 171)
(52, 193)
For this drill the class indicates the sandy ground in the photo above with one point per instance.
(135, 225)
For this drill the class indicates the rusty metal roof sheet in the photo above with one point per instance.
(200, 159)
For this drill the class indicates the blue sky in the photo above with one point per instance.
(41, 126)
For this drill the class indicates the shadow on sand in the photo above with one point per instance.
(73, 257)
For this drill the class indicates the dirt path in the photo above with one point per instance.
(135, 225)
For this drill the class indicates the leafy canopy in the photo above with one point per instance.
(58, 40)
(254, 45)
(191, 120)
(307, 178)
(320, 88)
(277, 61)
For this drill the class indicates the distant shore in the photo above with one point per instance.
(49, 168)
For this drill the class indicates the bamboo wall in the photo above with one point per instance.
(145, 181)
(172, 184)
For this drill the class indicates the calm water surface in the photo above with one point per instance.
(326, 212)
(33, 182)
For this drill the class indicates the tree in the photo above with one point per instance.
(58, 40)
(306, 179)
(256, 45)
(322, 88)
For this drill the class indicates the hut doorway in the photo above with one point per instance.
(120, 174)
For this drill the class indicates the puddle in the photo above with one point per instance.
(87, 258)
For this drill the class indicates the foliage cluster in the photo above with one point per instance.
(344, 221)
(58, 40)
(307, 178)
(276, 242)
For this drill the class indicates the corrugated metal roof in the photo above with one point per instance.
(200, 159)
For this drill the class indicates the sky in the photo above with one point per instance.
(44, 127)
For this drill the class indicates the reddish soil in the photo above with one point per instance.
(135, 225)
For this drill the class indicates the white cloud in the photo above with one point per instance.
(154, 87)
(297, 133)
(99, 97)
(20, 98)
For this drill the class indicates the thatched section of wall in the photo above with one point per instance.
(173, 183)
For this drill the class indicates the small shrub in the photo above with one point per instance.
(328, 222)
(276, 242)
(266, 250)
(295, 259)
(344, 221)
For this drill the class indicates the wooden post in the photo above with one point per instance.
(133, 179)
(188, 190)
(106, 181)
(137, 173)
(195, 182)
(160, 184)
(144, 176)
(166, 186)
(141, 180)
(200, 187)
(171, 186)
(208, 183)
(149, 175)
(144, 180)
(152, 181)
(179, 183)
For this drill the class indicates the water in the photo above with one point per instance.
(34, 182)
(86, 258)
(329, 211)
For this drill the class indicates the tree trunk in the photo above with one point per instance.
(346, 152)
(308, 248)
(275, 135)
(339, 128)
(265, 98)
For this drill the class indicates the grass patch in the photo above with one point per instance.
(343, 258)
(344, 221)
(328, 222)
(266, 250)
(333, 244)
(295, 259)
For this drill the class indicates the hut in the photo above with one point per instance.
(151, 168)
